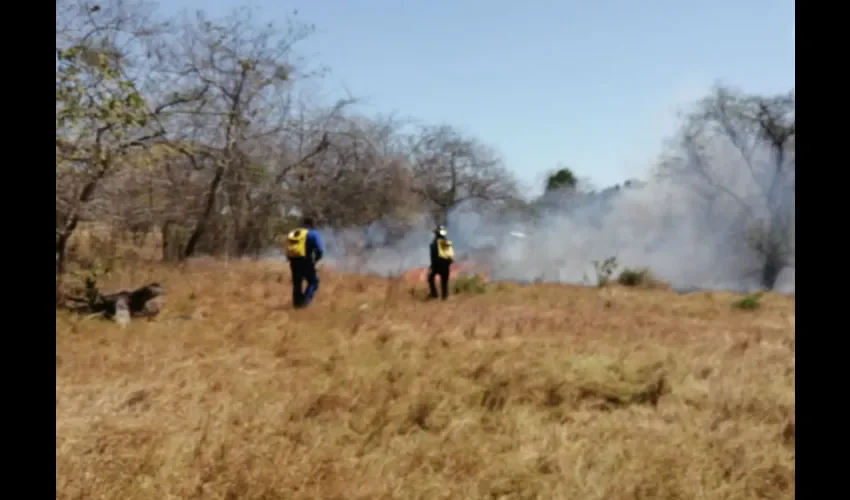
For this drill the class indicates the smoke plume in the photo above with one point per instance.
(715, 221)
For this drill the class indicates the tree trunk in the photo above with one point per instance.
(773, 265)
(204, 218)
(173, 239)
(62, 243)
(775, 255)
(73, 219)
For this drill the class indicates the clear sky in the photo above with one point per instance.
(591, 84)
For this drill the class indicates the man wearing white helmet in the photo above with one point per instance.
(442, 256)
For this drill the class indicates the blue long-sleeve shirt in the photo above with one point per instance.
(315, 249)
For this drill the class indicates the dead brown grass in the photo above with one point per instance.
(523, 392)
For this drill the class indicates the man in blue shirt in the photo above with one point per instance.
(304, 250)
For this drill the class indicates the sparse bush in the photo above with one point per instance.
(641, 277)
(92, 255)
(604, 270)
(633, 277)
(469, 284)
(749, 302)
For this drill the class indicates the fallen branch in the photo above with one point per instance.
(120, 305)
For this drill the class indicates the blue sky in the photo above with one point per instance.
(593, 84)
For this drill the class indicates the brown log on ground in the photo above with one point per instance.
(137, 302)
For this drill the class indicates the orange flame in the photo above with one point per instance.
(420, 274)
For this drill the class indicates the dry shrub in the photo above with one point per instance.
(639, 278)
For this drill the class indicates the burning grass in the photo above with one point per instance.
(540, 391)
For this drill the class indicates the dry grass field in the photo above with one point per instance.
(522, 392)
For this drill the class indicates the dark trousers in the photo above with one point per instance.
(443, 271)
(303, 270)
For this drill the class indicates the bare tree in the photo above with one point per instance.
(246, 73)
(363, 178)
(450, 169)
(737, 153)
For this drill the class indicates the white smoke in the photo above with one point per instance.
(692, 228)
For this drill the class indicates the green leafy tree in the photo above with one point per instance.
(562, 178)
